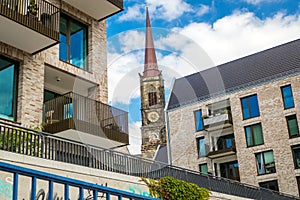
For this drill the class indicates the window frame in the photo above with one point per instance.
(198, 147)
(283, 97)
(249, 106)
(152, 97)
(268, 183)
(69, 19)
(256, 160)
(203, 164)
(294, 158)
(195, 119)
(15, 88)
(253, 135)
(287, 122)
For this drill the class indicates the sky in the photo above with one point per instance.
(189, 36)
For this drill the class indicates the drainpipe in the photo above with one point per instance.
(169, 140)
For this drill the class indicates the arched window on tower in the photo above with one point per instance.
(152, 96)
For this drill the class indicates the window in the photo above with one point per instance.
(271, 185)
(73, 42)
(48, 95)
(292, 125)
(201, 147)
(254, 135)
(265, 162)
(250, 107)
(287, 95)
(230, 170)
(198, 120)
(298, 183)
(296, 155)
(8, 82)
(152, 98)
(203, 168)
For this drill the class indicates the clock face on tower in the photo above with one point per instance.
(153, 116)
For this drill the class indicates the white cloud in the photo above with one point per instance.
(241, 34)
(133, 13)
(256, 2)
(135, 138)
(203, 9)
(159, 9)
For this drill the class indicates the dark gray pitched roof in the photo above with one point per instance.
(258, 68)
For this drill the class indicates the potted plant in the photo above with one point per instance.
(46, 19)
(32, 9)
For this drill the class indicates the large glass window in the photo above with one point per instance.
(250, 107)
(73, 42)
(296, 155)
(287, 95)
(230, 170)
(198, 120)
(201, 147)
(203, 168)
(271, 185)
(254, 135)
(8, 83)
(265, 162)
(292, 125)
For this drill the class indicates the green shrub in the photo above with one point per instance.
(169, 188)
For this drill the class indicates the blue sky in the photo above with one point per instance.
(190, 35)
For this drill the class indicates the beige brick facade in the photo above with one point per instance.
(31, 76)
(183, 134)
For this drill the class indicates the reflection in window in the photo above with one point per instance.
(198, 120)
(73, 42)
(254, 135)
(250, 107)
(296, 154)
(201, 147)
(203, 168)
(287, 95)
(271, 185)
(68, 111)
(292, 125)
(265, 162)
(8, 72)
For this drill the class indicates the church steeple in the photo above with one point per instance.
(150, 65)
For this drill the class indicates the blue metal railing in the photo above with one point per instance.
(35, 175)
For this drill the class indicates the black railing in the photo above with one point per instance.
(73, 111)
(38, 15)
(48, 146)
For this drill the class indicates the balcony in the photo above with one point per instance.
(82, 119)
(98, 9)
(220, 121)
(225, 146)
(30, 27)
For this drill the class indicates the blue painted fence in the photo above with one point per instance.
(107, 193)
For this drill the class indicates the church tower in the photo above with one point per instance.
(152, 99)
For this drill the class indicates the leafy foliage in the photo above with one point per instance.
(169, 188)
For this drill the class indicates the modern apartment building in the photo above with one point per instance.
(53, 69)
(240, 120)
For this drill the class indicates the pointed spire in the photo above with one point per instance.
(150, 64)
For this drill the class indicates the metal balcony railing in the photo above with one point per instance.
(73, 111)
(38, 15)
(29, 142)
(222, 148)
